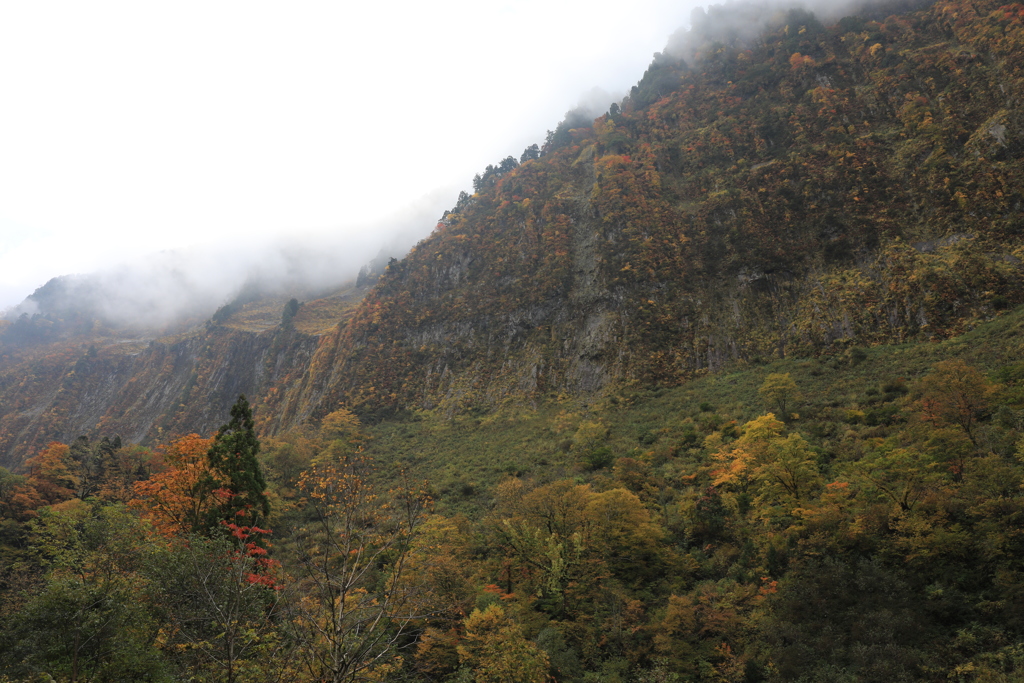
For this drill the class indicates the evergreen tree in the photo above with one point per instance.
(232, 457)
(530, 153)
(291, 309)
(363, 278)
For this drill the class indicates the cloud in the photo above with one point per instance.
(739, 22)
(131, 128)
(171, 286)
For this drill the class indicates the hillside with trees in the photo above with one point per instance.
(722, 385)
(853, 518)
(817, 187)
(757, 195)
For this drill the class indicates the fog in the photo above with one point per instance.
(739, 22)
(190, 283)
(169, 155)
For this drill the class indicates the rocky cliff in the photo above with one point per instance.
(147, 390)
(820, 187)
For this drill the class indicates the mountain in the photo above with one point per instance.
(722, 385)
(816, 187)
(790, 189)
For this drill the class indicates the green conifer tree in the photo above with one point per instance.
(233, 457)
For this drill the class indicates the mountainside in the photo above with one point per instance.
(146, 388)
(791, 193)
(818, 186)
(725, 385)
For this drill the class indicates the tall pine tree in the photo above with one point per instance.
(233, 457)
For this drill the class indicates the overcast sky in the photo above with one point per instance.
(132, 127)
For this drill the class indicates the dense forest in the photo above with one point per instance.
(722, 385)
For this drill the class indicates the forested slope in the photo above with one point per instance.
(837, 519)
(818, 186)
(756, 196)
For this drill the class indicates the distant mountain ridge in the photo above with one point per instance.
(819, 187)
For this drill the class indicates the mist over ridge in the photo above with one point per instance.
(721, 213)
(188, 285)
(734, 24)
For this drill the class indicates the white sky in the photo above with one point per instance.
(132, 127)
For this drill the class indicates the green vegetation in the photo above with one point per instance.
(233, 466)
(463, 456)
(726, 386)
(645, 534)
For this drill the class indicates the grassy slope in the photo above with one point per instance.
(462, 458)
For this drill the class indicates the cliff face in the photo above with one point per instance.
(826, 186)
(829, 186)
(142, 390)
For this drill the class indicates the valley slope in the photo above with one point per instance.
(790, 195)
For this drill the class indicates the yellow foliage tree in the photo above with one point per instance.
(780, 470)
(342, 432)
(780, 391)
(740, 458)
(356, 605)
(438, 569)
(496, 650)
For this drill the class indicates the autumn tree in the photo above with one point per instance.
(53, 473)
(699, 629)
(342, 434)
(955, 394)
(768, 468)
(440, 574)
(220, 598)
(623, 535)
(122, 468)
(180, 499)
(356, 607)
(19, 500)
(439, 569)
(739, 460)
(92, 619)
(496, 651)
(789, 471)
(545, 536)
(567, 537)
(208, 482)
(779, 391)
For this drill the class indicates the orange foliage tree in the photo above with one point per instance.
(178, 500)
(52, 473)
(19, 500)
